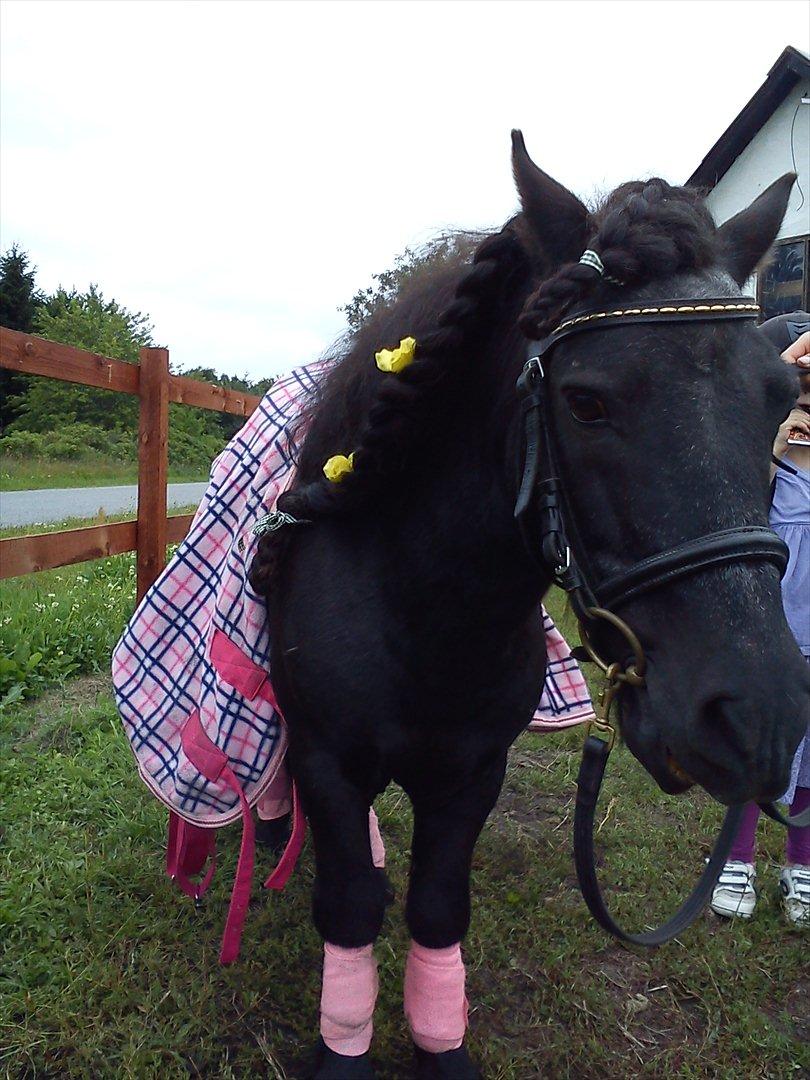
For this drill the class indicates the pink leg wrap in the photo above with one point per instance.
(377, 845)
(276, 802)
(435, 1002)
(348, 995)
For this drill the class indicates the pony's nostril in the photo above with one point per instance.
(723, 733)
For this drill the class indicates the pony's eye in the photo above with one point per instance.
(586, 408)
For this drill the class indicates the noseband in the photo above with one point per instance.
(545, 520)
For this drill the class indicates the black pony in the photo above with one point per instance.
(406, 638)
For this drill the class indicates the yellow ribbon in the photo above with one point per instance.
(396, 359)
(337, 467)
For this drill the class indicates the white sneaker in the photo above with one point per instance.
(734, 894)
(794, 881)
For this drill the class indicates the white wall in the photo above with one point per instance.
(765, 159)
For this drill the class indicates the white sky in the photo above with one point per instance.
(239, 169)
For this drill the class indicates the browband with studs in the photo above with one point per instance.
(652, 311)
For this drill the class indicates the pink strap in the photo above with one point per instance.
(240, 896)
(188, 849)
(286, 864)
(289, 857)
(236, 669)
(213, 763)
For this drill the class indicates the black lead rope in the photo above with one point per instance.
(800, 821)
(591, 771)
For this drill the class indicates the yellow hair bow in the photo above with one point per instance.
(396, 359)
(337, 467)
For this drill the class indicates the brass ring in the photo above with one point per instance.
(634, 673)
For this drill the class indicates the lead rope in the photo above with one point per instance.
(595, 753)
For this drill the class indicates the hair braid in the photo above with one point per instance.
(405, 405)
(646, 230)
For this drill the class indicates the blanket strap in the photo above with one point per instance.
(187, 851)
(286, 864)
(214, 765)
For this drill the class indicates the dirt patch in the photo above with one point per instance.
(791, 1013)
(49, 728)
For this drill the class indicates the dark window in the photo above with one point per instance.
(783, 286)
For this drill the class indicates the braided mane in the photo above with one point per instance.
(644, 230)
(380, 417)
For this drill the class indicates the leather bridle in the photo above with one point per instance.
(549, 532)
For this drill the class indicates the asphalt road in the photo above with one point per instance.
(56, 504)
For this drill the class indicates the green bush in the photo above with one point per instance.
(23, 444)
(77, 440)
(193, 451)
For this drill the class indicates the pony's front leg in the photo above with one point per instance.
(348, 906)
(446, 828)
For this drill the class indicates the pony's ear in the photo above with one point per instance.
(557, 219)
(747, 236)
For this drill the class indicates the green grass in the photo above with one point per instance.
(64, 622)
(106, 970)
(61, 623)
(27, 474)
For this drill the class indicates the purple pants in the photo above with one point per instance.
(797, 849)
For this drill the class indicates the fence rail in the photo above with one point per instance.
(155, 387)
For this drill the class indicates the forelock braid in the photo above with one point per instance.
(645, 231)
(405, 404)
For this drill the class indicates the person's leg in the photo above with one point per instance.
(797, 849)
(744, 846)
(734, 894)
(794, 879)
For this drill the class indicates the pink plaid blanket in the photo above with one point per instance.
(191, 671)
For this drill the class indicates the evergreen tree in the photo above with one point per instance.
(19, 302)
(19, 298)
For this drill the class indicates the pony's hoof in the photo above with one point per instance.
(332, 1066)
(451, 1065)
(389, 896)
(273, 834)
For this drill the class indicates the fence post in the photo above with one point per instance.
(153, 465)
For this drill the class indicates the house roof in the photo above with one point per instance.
(790, 68)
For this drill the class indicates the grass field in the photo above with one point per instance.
(29, 474)
(108, 971)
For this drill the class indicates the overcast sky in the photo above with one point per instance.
(238, 170)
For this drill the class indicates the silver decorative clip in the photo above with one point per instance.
(591, 258)
(276, 520)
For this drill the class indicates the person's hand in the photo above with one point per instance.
(798, 353)
(798, 420)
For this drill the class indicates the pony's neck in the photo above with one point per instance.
(458, 514)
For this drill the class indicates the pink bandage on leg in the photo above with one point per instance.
(377, 845)
(435, 1002)
(348, 996)
(276, 801)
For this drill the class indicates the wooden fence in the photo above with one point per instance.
(151, 382)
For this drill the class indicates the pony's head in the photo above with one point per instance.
(663, 435)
